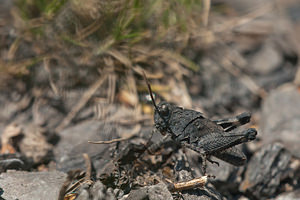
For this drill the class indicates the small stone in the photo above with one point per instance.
(34, 144)
(265, 170)
(12, 163)
(153, 192)
(99, 191)
(280, 120)
(293, 195)
(84, 195)
(31, 185)
(264, 66)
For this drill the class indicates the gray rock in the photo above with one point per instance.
(74, 142)
(285, 74)
(12, 163)
(12, 104)
(97, 192)
(153, 192)
(31, 185)
(84, 195)
(280, 119)
(267, 60)
(207, 193)
(265, 170)
(225, 172)
(218, 96)
(244, 6)
(293, 195)
(45, 114)
(34, 144)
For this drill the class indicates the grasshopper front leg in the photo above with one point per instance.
(154, 147)
(203, 155)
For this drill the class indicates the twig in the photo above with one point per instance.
(111, 92)
(13, 48)
(110, 141)
(241, 20)
(137, 119)
(84, 99)
(129, 136)
(194, 183)
(206, 9)
(88, 165)
(52, 84)
(90, 29)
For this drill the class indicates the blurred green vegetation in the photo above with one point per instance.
(131, 33)
(39, 8)
(128, 20)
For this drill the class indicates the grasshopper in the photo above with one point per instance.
(191, 129)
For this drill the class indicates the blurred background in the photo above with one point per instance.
(70, 68)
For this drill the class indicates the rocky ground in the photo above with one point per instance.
(45, 152)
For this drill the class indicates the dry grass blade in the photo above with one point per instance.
(206, 9)
(111, 92)
(88, 164)
(77, 184)
(13, 48)
(109, 141)
(241, 20)
(51, 81)
(137, 119)
(120, 57)
(74, 186)
(245, 79)
(90, 29)
(70, 196)
(157, 75)
(86, 179)
(19, 67)
(181, 59)
(84, 99)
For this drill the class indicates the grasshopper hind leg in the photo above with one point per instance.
(229, 124)
(233, 156)
(212, 161)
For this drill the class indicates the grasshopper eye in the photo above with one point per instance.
(164, 111)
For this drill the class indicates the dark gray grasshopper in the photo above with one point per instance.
(209, 138)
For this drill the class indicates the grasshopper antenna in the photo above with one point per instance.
(150, 92)
(153, 101)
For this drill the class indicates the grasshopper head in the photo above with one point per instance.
(162, 116)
